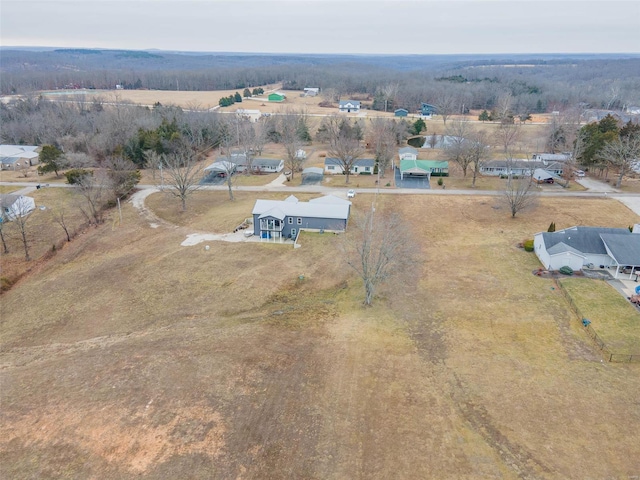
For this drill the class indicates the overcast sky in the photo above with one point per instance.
(327, 26)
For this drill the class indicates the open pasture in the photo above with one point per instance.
(128, 356)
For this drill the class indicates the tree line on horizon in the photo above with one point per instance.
(537, 88)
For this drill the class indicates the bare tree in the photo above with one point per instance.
(621, 153)
(94, 191)
(183, 174)
(288, 124)
(59, 216)
(519, 193)
(3, 222)
(503, 106)
(246, 140)
(477, 151)
(21, 209)
(259, 138)
(381, 136)
(456, 146)
(446, 103)
(228, 167)
(506, 135)
(346, 149)
(123, 175)
(378, 247)
(390, 93)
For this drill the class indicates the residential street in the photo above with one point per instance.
(631, 200)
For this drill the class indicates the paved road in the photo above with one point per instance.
(594, 185)
(631, 200)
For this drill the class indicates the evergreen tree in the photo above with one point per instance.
(237, 98)
(51, 160)
(419, 126)
(484, 116)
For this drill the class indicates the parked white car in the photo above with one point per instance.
(579, 173)
(351, 193)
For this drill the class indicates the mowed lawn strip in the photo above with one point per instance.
(614, 319)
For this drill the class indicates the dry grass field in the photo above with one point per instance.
(614, 319)
(129, 356)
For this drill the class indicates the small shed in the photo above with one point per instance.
(276, 97)
(401, 112)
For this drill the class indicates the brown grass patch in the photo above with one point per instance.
(225, 364)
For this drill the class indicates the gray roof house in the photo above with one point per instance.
(278, 220)
(258, 164)
(12, 206)
(349, 106)
(577, 247)
(551, 157)
(519, 167)
(408, 153)
(15, 157)
(361, 165)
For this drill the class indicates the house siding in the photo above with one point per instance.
(327, 224)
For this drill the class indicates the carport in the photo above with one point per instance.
(217, 172)
(624, 250)
(312, 175)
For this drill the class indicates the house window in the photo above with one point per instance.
(331, 167)
(299, 221)
(290, 220)
(366, 169)
(293, 233)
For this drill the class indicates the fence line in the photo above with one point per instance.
(607, 353)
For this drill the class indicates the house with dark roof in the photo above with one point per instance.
(577, 247)
(279, 220)
(427, 110)
(349, 106)
(360, 166)
(401, 112)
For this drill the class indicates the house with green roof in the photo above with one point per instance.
(276, 97)
(422, 168)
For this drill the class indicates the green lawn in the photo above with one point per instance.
(614, 319)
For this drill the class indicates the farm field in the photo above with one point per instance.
(128, 356)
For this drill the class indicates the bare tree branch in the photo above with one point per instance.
(378, 247)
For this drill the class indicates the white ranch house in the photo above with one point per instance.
(362, 165)
(349, 106)
(519, 167)
(577, 247)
